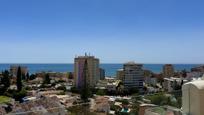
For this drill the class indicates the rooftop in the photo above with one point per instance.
(145, 104)
(132, 63)
(199, 84)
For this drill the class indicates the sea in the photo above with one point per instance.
(110, 69)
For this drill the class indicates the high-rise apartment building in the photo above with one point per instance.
(93, 70)
(102, 74)
(168, 70)
(120, 74)
(133, 75)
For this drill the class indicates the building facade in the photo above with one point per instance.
(93, 70)
(120, 74)
(168, 70)
(193, 98)
(102, 74)
(14, 70)
(133, 75)
(171, 84)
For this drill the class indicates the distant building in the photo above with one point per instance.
(93, 70)
(14, 70)
(168, 70)
(172, 84)
(133, 75)
(193, 98)
(109, 85)
(2, 110)
(149, 78)
(101, 105)
(56, 76)
(112, 86)
(41, 106)
(198, 69)
(193, 75)
(102, 74)
(143, 107)
(120, 74)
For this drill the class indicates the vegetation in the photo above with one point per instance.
(61, 93)
(85, 94)
(161, 99)
(60, 81)
(46, 79)
(28, 88)
(19, 79)
(74, 90)
(159, 110)
(62, 88)
(19, 95)
(125, 102)
(101, 92)
(115, 108)
(27, 76)
(85, 90)
(71, 76)
(5, 81)
(23, 77)
(32, 77)
(4, 99)
(4, 89)
(80, 110)
(135, 108)
(178, 97)
(135, 104)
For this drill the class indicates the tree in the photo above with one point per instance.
(125, 102)
(23, 77)
(27, 76)
(70, 75)
(100, 92)
(184, 73)
(135, 110)
(32, 77)
(74, 90)
(115, 108)
(136, 98)
(161, 99)
(5, 82)
(133, 90)
(19, 79)
(85, 92)
(47, 79)
(6, 79)
(19, 95)
(62, 88)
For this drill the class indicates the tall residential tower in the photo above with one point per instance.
(168, 70)
(133, 75)
(93, 70)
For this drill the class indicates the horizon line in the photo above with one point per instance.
(105, 63)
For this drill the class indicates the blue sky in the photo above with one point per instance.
(116, 31)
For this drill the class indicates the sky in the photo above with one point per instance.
(115, 31)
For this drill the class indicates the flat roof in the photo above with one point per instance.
(199, 84)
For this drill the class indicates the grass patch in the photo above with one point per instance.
(159, 110)
(4, 99)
